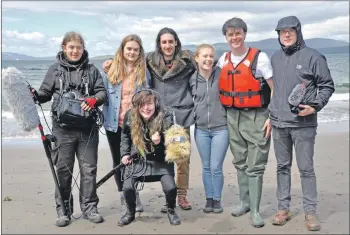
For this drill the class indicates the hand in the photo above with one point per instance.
(106, 65)
(156, 138)
(126, 160)
(35, 94)
(306, 110)
(267, 128)
(89, 103)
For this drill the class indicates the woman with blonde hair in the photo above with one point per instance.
(211, 133)
(127, 74)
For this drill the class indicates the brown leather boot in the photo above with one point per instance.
(281, 217)
(184, 203)
(312, 223)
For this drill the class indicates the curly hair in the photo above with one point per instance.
(142, 130)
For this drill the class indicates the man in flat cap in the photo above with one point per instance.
(302, 87)
(245, 88)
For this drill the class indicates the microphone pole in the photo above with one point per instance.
(47, 147)
(109, 175)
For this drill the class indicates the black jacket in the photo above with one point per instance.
(50, 87)
(156, 164)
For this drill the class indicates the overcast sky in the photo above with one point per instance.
(36, 28)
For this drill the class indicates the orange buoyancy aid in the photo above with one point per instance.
(239, 88)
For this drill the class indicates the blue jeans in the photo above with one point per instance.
(212, 147)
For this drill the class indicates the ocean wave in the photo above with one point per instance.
(342, 85)
(9, 115)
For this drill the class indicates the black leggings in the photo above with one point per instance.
(114, 145)
(168, 185)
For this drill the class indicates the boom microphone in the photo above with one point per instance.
(297, 95)
(19, 99)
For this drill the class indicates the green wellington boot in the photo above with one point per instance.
(243, 184)
(255, 189)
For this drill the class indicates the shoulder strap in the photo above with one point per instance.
(255, 61)
(86, 79)
(61, 78)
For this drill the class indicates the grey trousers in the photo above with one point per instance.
(303, 139)
(71, 143)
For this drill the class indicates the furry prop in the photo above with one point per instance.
(178, 145)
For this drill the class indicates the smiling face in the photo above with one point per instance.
(73, 50)
(205, 58)
(168, 44)
(235, 37)
(288, 37)
(131, 51)
(147, 109)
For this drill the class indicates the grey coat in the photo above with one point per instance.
(299, 64)
(209, 114)
(173, 85)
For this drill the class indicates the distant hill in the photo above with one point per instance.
(15, 56)
(324, 45)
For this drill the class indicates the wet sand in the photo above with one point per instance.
(27, 180)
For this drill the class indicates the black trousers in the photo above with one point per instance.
(114, 145)
(83, 144)
(168, 186)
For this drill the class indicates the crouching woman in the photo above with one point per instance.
(143, 152)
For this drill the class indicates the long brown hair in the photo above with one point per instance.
(138, 125)
(118, 72)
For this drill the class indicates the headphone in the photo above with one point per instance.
(155, 94)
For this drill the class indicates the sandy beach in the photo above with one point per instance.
(27, 180)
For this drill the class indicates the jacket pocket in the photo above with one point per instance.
(200, 113)
(110, 94)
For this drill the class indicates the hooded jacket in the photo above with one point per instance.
(209, 114)
(294, 65)
(73, 72)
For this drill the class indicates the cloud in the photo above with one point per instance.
(10, 19)
(194, 21)
(327, 28)
(34, 36)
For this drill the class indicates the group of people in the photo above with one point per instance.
(235, 102)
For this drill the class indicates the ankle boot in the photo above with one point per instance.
(174, 219)
(255, 189)
(217, 207)
(129, 216)
(170, 197)
(243, 207)
(208, 206)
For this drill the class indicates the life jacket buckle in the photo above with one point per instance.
(230, 72)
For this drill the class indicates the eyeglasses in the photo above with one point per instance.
(290, 31)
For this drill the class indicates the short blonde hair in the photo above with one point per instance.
(202, 46)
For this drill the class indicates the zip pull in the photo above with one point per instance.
(61, 85)
(86, 84)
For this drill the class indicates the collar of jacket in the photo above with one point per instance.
(178, 65)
